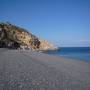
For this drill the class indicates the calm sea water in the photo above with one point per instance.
(79, 53)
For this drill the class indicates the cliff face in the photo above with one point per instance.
(45, 45)
(14, 36)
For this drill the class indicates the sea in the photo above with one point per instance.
(75, 53)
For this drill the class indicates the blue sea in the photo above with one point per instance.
(78, 53)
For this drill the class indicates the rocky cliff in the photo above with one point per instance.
(14, 37)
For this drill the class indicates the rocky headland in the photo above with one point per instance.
(14, 37)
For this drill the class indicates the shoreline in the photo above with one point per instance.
(80, 53)
(71, 58)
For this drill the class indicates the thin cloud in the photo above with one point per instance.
(84, 41)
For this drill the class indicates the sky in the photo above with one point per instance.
(65, 23)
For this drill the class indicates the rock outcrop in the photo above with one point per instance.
(14, 37)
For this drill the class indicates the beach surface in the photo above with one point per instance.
(26, 70)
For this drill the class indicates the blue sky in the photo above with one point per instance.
(62, 22)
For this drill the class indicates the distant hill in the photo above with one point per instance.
(15, 37)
